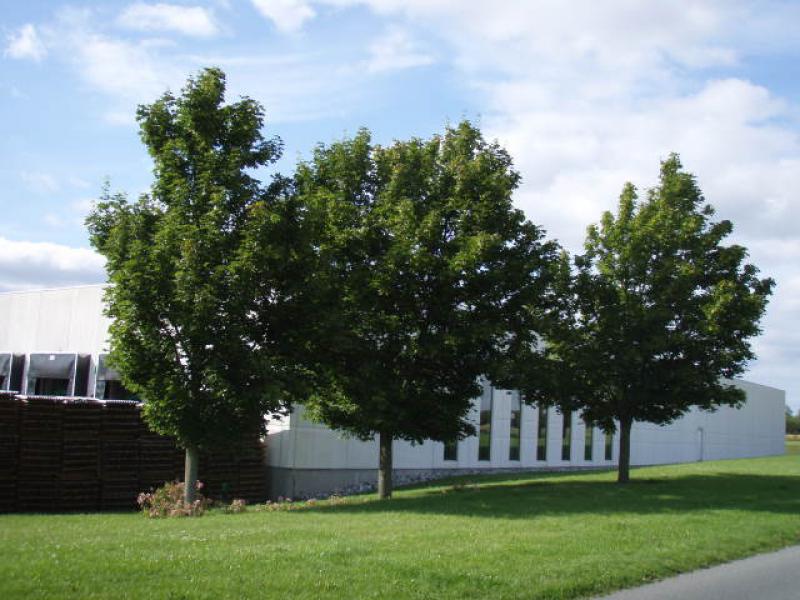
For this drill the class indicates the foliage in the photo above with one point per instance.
(792, 422)
(658, 315)
(168, 501)
(589, 537)
(429, 271)
(185, 335)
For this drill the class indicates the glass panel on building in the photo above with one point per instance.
(516, 426)
(50, 386)
(541, 435)
(566, 437)
(108, 385)
(588, 442)
(83, 367)
(485, 432)
(5, 370)
(17, 372)
(451, 450)
(609, 446)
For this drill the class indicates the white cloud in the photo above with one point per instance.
(39, 182)
(51, 219)
(83, 205)
(26, 43)
(300, 86)
(395, 50)
(287, 15)
(588, 95)
(195, 21)
(129, 72)
(27, 265)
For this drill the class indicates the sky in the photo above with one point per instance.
(585, 95)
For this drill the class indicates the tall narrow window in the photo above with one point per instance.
(451, 450)
(566, 437)
(609, 446)
(5, 369)
(588, 441)
(516, 424)
(485, 433)
(16, 378)
(541, 435)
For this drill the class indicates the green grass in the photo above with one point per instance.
(793, 444)
(523, 536)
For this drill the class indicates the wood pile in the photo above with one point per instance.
(80, 454)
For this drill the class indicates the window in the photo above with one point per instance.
(5, 368)
(108, 385)
(51, 374)
(115, 390)
(516, 423)
(485, 433)
(566, 437)
(46, 386)
(17, 371)
(451, 450)
(541, 435)
(609, 446)
(588, 441)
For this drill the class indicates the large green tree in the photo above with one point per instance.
(188, 334)
(430, 270)
(657, 315)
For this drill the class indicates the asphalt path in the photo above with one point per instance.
(773, 576)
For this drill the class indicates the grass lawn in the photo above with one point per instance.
(523, 536)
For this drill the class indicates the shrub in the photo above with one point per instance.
(167, 501)
(237, 505)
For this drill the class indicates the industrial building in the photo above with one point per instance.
(53, 342)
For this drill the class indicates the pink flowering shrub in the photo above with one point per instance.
(167, 501)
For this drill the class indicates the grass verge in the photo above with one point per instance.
(522, 536)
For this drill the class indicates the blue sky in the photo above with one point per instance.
(585, 95)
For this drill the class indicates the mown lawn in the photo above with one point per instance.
(526, 536)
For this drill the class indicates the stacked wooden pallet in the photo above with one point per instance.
(9, 451)
(119, 456)
(63, 454)
(40, 453)
(80, 463)
(159, 459)
(252, 476)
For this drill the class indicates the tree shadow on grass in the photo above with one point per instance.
(540, 497)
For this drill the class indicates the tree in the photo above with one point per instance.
(430, 267)
(183, 335)
(792, 422)
(658, 314)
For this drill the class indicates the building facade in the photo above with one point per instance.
(53, 342)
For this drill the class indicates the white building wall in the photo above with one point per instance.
(755, 429)
(60, 320)
(71, 320)
(64, 320)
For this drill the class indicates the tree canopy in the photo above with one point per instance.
(658, 313)
(435, 273)
(184, 336)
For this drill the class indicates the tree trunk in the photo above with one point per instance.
(385, 465)
(191, 464)
(624, 469)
